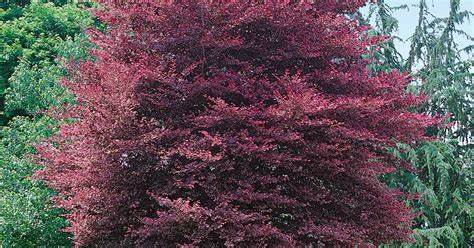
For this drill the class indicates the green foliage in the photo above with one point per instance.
(35, 87)
(27, 217)
(11, 3)
(443, 186)
(442, 70)
(35, 40)
(30, 41)
(386, 25)
(445, 69)
(41, 92)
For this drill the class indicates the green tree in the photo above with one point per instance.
(31, 40)
(35, 39)
(442, 70)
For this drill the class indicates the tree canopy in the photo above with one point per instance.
(34, 40)
(244, 123)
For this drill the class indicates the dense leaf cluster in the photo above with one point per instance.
(442, 69)
(33, 39)
(221, 123)
(232, 123)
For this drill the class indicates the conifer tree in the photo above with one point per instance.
(442, 69)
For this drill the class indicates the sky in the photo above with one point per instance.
(409, 18)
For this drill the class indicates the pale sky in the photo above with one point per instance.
(409, 18)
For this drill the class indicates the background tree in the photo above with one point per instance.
(232, 123)
(442, 70)
(33, 39)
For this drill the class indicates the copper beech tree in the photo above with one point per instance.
(231, 124)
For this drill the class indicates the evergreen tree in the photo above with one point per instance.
(442, 70)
